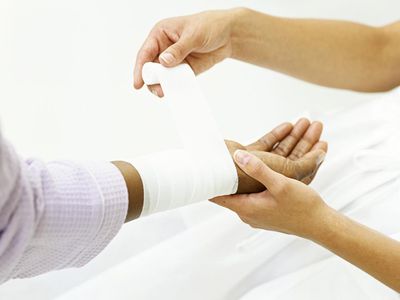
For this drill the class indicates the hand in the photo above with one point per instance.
(287, 205)
(294, 151)
(202, 40)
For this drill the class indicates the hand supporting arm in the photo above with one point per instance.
(291, 207)
(294, 151)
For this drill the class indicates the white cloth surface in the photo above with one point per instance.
(219, 257)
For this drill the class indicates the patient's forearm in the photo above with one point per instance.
(301, 168)
(369, 250)
(332, 53)
(135, 187)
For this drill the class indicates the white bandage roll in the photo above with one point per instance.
(203, 169)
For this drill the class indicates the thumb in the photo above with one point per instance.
(256, 169)
(177, 52)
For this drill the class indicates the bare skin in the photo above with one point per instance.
(295, 151)
(292, 207)
(332, 53)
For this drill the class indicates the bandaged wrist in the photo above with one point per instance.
(203, 168)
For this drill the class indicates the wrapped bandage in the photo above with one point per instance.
(203, 169)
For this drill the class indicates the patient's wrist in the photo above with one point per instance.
(246, 184)
(134, 186)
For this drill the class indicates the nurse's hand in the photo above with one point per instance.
(202, 40)
(294, 151)
(287, 205)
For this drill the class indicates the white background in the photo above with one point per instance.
(66, 90)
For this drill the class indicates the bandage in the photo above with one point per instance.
(203, 168)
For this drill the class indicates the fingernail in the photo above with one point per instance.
(320, 159)
(154, 92)
(242, 157)
(167, 57)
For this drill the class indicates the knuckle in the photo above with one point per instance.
(160, 25)
(296, 153)
(293, 137)
(265, 142)
(157, 30)
(146, 50)
(280, 150)
(285, 147)
(292, 140)
(273, 136)
(269, 140)
(178, 49)
(257, 169)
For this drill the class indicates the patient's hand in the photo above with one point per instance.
(294, 151)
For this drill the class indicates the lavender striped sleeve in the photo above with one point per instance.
(55, 215)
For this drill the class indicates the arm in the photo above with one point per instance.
(62, 214)
(55, 215)
(365, 248)
(332, 53)
(291, 207)
(291, 150)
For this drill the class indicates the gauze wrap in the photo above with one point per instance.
(203, 168)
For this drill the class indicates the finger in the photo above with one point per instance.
(321, 145)
(147, 53)
(286, 146)
(309, 139)
(268, 141)
(309, 163)
(307, 180)
(176, 53)
(277, 163)
(256, 169)
(156, 90)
